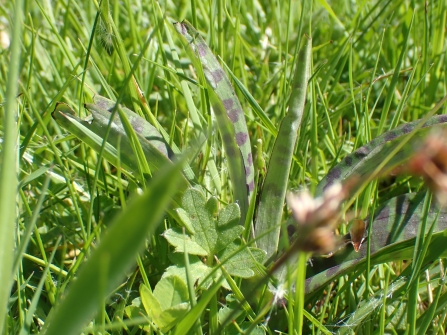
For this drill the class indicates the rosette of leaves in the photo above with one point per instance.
(207, 234)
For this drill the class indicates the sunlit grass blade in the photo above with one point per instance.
(35, 301)
(115, 254)
(31, 224)
(9, 165)
(394, 80)
(424, 321)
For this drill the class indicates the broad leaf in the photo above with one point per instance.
(183, 242)
(364, 160)
(270, 209)
(229, 113)
(167, 305)
(197, 268)
(211, 233)
(394, 230)
(242, 263)
(93, 134)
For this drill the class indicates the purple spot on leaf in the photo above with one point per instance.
(241, 138)
(361, 152)
(332, 270)
(407, 128)
(228, 103)
(333, 175)
(348, 161)
(233, 115)
(251, 186)
(201, 49)
(137, 126)
(218, 75)
(184, 30)
(250, 159)
(390, 136)
(442, 118)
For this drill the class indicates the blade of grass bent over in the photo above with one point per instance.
(275, 185)
(114, 255)
(228, 111)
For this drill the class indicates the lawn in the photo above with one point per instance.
(223, 167)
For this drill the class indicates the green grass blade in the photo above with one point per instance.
(115, 254)
(369, 306)
(194, 314)
(275, 185)
(35, 301)
(394, 80)
(9, 166)
(30, 225)
(424, 321)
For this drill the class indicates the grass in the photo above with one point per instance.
(81, 230)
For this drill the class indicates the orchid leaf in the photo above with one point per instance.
(228, 111)
(273, 194)
(142, 127)
(363, 161)
(394, 228)
(93, 132)
(102, 108)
